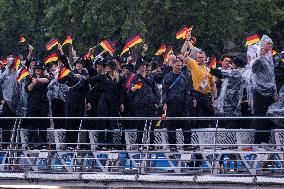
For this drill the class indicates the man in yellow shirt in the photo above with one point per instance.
(203, 84)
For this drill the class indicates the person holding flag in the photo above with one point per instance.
(78, 89)
(56, 91)
(10, 95)
(109, 101)
(203, 84)
(126, 102)
(145, 95)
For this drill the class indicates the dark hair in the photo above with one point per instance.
(178, 59)
(226, 56)
(202, 52)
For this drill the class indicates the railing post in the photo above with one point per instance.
(215, 146)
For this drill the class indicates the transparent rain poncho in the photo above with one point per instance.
(277, 108)
(263, 77)
(12, 90)
(22, 106)
(229, 101)
(55, 89)
(259, 75)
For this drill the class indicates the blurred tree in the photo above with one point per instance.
(219, 25)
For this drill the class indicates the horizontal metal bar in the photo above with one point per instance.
(147, 118)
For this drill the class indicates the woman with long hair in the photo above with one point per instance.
(109, 101)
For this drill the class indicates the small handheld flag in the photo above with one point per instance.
(167, 54)
(22, 74)
(63, 73)
(108, 46)
(68, 40)
(16, 63)
(51, 58)
(252, 39)
(131, 42)
(161, 50)
(138, 86)
(181, 34)
(52, 43)
(213, 62)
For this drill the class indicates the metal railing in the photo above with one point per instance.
(141, 153)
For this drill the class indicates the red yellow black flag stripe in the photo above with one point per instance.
(213, 62)
(52, 43)
(252, 39)
(181, 34)
(16, 63)
(68, 40)
(63, 73)
(131, 42)
(23, 73)
(107, 45)
(51, 58)
(161, 50)
(167, 54)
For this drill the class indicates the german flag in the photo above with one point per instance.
(124, 50)
(63, 73)
(181, 34)
(52, 43)
(68, 40)
(107, 45)
(16, 63)
(167, 54)
(22, 39)
(131, 42)
(213, 62)
(161, 50)
(51, 58)
(138, 85)
(252, 39)
(23, 73)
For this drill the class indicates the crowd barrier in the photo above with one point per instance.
(213, 154)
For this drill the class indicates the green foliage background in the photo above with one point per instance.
(219, 25)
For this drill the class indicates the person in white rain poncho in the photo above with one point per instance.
(10, 98)
(263, 87)
(229, 100)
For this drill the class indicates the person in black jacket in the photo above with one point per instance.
(144, 92)
(94, 94)
(126, 101)
(176, 94)
(36, 87)
(78, 89)
(279, 70)
(108, 104)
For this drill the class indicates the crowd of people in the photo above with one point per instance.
(245, 84)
